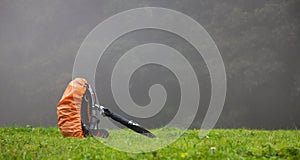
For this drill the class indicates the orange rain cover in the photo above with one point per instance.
(68, 109)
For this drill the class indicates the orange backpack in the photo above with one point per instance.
(79, 113)
(69, 107)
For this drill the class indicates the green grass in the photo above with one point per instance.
(47, 143)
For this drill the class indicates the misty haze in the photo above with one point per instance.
(259, 42)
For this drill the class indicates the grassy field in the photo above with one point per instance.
(47, 143)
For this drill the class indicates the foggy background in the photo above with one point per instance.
(259, 42)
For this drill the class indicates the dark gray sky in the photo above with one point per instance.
(258, 40)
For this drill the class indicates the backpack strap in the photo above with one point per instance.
(90, 112)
